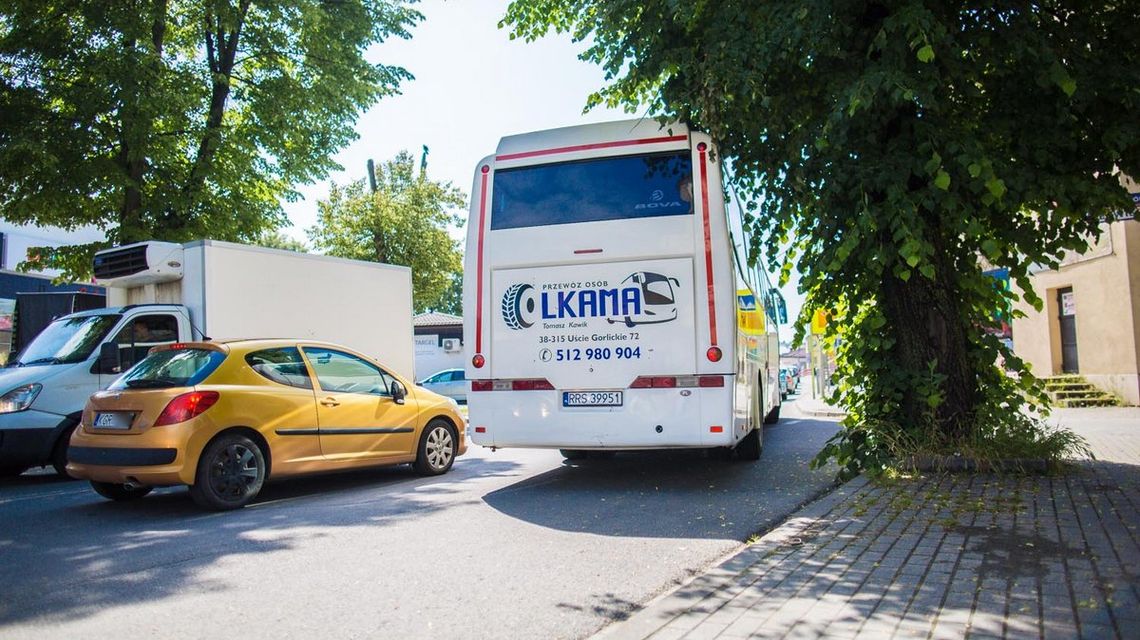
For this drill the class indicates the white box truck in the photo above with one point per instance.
(161, 292)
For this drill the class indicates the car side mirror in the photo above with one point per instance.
(398, 392)
(108, 361)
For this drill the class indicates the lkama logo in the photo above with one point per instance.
(642, 298)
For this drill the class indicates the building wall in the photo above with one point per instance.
(1106, 287)
(430, 354)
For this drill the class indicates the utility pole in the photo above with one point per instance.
(372, 174)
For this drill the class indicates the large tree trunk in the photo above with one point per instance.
(925, 320)
(221, 54)
(134, 132)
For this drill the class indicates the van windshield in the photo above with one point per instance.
(67, 340)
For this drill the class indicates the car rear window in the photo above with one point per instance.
(619, 188)
(171, 368)
(283, 366)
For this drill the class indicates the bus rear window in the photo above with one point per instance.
(593, 190)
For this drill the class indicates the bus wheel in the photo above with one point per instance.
(573, 454)
(773, 416)
(750, 447)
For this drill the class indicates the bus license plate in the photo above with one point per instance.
(591, 398)
(113, 420)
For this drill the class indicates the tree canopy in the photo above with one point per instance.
(278, 240)
(405, 222)
(179, 119)
(886, 148)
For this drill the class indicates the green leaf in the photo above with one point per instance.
(913, 260)
(927, 271)
(926, 54)
(996, 187)
(975, 170)
(1060, 76)
(942, 180)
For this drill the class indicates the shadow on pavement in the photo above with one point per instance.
(676, 494)
(68, 555)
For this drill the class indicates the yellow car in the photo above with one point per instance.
(223, 417)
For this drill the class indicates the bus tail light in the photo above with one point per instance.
(714, 354)
(670, 382)
(478, 361)
(716, 429)
(529, 384)
(537, 384)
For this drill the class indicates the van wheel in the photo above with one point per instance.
(750, 446)
(230, 473)
(436, 452)
(573, 454)
(119, 492)
(59, 452)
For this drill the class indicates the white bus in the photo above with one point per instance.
(606, 301)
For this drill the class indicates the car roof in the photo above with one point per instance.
(255, 344)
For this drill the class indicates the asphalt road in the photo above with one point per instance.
(510, 544)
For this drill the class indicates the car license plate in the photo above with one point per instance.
(114, 420)
(591, 398)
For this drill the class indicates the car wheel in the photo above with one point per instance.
(573, 454)
(230, 473)
(436, 452)
(59, 452)
(119, 492)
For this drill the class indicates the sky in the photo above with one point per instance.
(472, 86)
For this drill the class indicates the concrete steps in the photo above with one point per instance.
(1075, 391)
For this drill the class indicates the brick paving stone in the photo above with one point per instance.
(937, 557)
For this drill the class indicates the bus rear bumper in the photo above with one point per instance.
(648, 419)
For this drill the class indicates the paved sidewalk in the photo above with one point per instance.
(944, 556)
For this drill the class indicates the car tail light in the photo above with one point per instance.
(670, 382)
(186, 406)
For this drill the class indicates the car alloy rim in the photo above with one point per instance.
(233, 472)
(439, 447)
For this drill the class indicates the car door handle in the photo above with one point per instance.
(330, 402)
